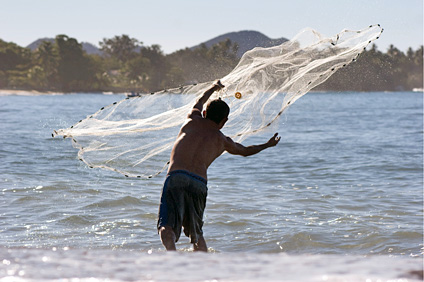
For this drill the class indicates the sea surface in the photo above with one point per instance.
(340, 198)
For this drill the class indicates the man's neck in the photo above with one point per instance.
(213, 124)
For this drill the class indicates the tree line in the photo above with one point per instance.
(128, 65)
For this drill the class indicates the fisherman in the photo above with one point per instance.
(199, 142)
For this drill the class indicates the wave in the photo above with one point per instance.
(148, 265)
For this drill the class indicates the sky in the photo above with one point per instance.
(175, 24)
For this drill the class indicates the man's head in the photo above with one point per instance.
(217, 111)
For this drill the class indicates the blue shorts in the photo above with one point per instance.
(182, 204)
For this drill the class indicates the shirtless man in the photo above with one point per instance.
(198, 144)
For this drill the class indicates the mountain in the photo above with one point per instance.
(246, 40)
(87, 47)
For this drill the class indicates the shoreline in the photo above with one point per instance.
(14, 92)
(9, 92)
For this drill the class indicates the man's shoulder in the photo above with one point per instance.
(195, 113)
(222, 136)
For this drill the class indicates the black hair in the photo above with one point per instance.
(217, 110)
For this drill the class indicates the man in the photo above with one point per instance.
(198, 144)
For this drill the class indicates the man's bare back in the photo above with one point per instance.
(198, 144)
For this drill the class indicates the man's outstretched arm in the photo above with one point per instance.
(207, 94)
(238, 149)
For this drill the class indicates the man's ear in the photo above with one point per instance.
(204, 113)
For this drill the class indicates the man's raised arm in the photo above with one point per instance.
(204, 98)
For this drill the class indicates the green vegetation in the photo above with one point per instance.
(378, 71)
(128, 65)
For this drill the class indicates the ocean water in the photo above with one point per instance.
(339, 199)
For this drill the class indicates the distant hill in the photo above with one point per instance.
(87, 47)
(246, 40)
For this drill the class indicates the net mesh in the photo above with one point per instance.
(135, 135)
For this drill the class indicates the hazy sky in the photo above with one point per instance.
(184, 23)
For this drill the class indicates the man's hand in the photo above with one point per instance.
(204, 98)
(218, 85)
(274, 140)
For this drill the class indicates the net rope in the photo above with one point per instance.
(135, 136)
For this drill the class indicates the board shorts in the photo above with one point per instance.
(182, 204)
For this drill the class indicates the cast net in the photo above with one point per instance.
(135, 135)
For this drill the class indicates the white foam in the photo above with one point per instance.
(108, 265)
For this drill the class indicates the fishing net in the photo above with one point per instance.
(135, 135)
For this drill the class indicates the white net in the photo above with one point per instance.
(135, 136)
